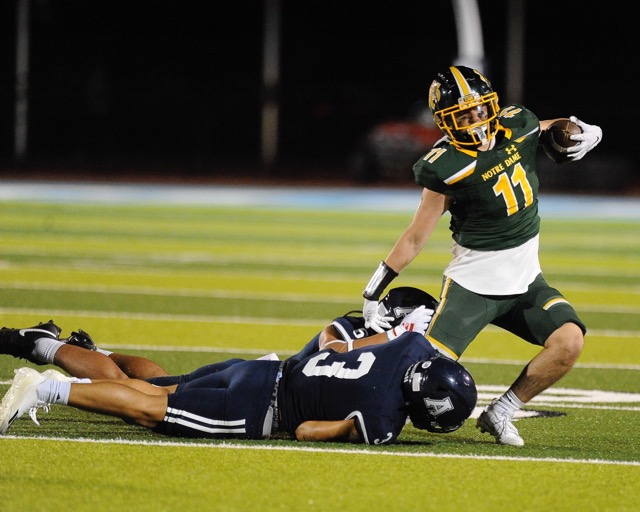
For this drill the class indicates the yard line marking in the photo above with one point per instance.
(250, 295)
(157, 317)
(162, 317)
(592, 366)
(187, 292)
(356, 451)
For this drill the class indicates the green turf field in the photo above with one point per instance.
(188, 285)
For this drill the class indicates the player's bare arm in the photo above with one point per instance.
(431, 208)
(340, 431)
(548, 122)
(329, 339)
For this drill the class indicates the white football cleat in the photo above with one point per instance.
(22, 397)
(499, 426)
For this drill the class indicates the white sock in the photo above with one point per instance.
(54, 391)
(508, 404)
(79, 380)
(45, 349)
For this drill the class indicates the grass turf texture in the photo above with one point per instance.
(190, 285)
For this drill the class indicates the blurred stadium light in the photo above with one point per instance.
(270, 82)
(469, 32)
(22, 79)
(470, 53)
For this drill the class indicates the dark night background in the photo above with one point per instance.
(174, 87)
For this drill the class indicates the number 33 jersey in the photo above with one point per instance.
(495, 192)
(364, 384)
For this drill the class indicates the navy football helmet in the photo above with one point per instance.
(460, 90)
(440, 394)
(401, 301)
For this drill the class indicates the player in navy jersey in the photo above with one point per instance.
(381, 378)
(361, 396)
(483, 172)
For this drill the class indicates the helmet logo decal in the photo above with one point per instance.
(438, 407)
(434, 94)
(401, 312)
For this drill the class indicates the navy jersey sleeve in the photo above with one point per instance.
(351, 328)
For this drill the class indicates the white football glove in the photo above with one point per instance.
(373, 319)
(589, 138)
(416, 321)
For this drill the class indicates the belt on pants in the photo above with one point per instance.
(272, 420)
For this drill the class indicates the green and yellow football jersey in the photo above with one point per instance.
(494, 193)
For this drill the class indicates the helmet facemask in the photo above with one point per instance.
(453, 120)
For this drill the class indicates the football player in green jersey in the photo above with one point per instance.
(483, 172)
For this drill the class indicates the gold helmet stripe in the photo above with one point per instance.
(463, 85)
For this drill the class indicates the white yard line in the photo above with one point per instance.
(356, 451)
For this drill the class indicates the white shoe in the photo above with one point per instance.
(21, 397)
(499, 426)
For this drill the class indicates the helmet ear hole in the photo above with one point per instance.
(441, 394)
